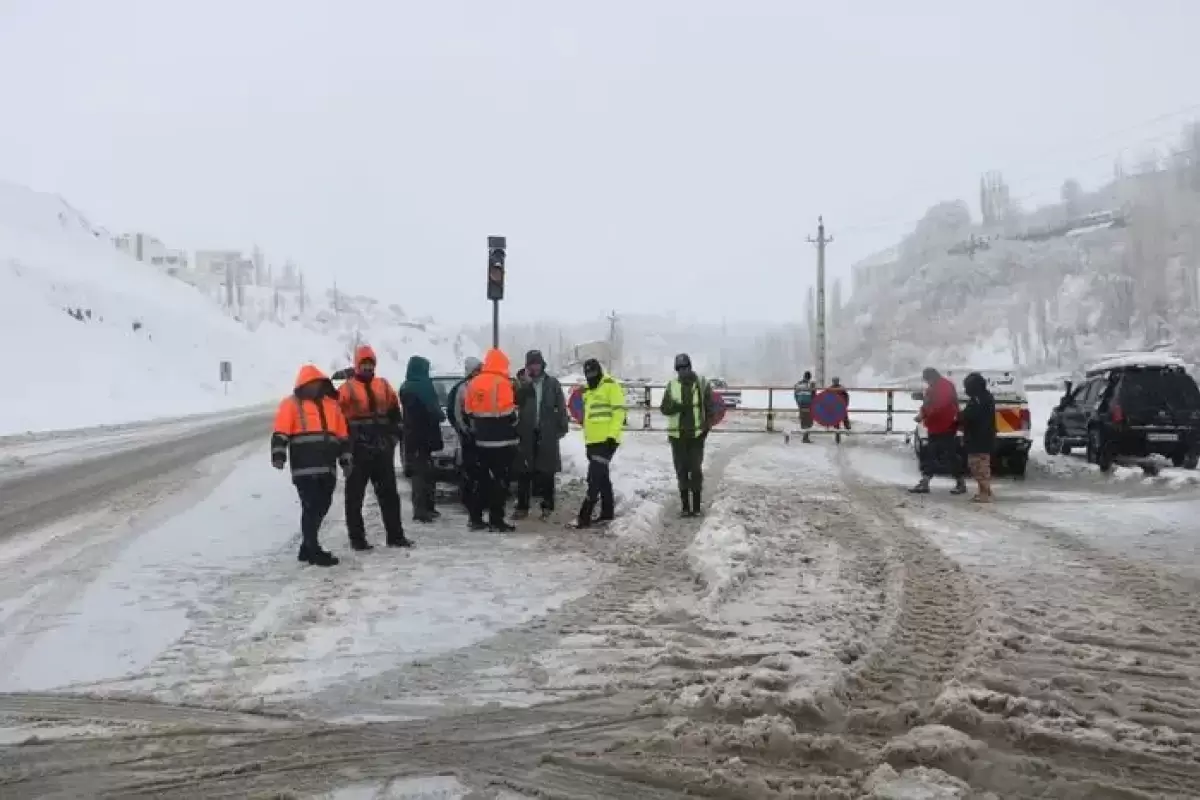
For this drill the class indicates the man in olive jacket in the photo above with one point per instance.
(690, 408)
(541, 422)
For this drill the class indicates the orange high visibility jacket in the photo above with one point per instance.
(490, 405)
(371, 408)
(310, 431)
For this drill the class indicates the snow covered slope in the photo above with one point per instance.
(91, 336)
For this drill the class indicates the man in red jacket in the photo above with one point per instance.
(939, 412)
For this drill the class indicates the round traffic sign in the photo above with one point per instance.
(575, 404)
(828, 409)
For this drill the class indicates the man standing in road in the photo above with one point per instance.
(690, 408)
(603, 425)
(311, 433)
(423, 418)
(804, 391)
(491, 411)
(467, 449)
(372, 412)
(979, 433)
(836, 387)
(939, 413)
(541, 423)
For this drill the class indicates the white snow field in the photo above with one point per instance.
(818, 632)
(103, 338)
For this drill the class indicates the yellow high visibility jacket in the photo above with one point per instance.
(603, 411)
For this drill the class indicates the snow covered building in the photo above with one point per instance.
(219, 263)
(874, 270)
(144, 247)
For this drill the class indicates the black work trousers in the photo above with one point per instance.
(599, 480)
(472, 469)
(532, 480)
(941, 456)
(316, 496)
(378, 468)
(423, 483)
(496, 465)
(688, 454)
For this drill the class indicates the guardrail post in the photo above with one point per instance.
(646, 416)
(770, 410)
(890, 409)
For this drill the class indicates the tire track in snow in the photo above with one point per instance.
(1084, 684)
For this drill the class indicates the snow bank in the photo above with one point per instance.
(106, 338)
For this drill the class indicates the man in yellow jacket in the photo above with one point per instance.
(603, 424)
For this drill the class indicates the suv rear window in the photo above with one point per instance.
(1152, 388)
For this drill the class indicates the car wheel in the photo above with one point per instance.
(1052, 441)
(1099, 452)
(1018, 464)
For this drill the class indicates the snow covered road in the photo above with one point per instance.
(819, 632)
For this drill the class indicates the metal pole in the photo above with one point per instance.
(496, 324)
(820, 242)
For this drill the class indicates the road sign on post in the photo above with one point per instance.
(829, 409)
(497, 252)
(226, 374)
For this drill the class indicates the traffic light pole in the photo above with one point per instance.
(497, 253)
(496, 324)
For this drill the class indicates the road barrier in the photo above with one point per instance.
(873, 411)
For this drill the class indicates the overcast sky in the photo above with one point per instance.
(639, 154)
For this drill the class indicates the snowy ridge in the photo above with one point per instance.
(108, 339)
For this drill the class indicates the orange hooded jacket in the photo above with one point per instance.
(371, 408)
(310, 431)
(490, 405)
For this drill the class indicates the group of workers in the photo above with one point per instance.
(504, 423)
(805, 391)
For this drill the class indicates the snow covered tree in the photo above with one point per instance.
(1072, 198)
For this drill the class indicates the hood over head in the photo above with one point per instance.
(929, 374)
(471, 365)
(312, 382)
(496, 362)
(974, 384)
(362, 353)
(593, 372)
(418, 369)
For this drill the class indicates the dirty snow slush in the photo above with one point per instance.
(814, 634)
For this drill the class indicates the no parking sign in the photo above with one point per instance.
(575, 405)
(829, 409)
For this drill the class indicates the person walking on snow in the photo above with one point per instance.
(939, 413)
(979, 433)
(837, 388)
(311, 433)
(803, 392)
(372, 413)
(423, 418)
(469, 452)
(690, 408)
(491, 411)
(603, 425)
(541, 422)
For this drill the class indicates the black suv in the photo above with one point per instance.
(1129, 409)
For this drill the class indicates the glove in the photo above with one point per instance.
(277, 463)
(611, 442)
(345, 461)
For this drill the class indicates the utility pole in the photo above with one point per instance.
(820, 242)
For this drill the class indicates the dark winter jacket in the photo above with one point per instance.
(548, 421)
(978, 417)
(423, 413)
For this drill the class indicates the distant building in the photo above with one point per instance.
(150, 249)
(218, 262)
(874, 270)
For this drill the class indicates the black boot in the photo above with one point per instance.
(303, 555)
(584, 520)
(361, 544)
(501, 526)
(695, 502)
(960, 486)
(322, 558)
(685, 507)
(399, 541)
(922, 487)
(477, 525)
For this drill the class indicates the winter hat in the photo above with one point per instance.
(364, 353)
(535, 357)
(683, 361)
(592, 367)
(471, 365)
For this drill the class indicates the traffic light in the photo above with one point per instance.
(496, 253)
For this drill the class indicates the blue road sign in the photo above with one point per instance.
(828, 409)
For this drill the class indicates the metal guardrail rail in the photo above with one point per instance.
(780, 410)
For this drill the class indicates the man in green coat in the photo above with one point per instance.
(690, 409)
(541, 422)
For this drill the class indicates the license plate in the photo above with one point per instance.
(1162, 437)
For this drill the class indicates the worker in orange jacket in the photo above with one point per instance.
(491, 412)
(372, 412)
(311, 434)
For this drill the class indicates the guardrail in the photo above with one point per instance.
(774, 410)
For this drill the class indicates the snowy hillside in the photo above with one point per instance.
(1113, 269)
(93, 336)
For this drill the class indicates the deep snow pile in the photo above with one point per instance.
(103, 338)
